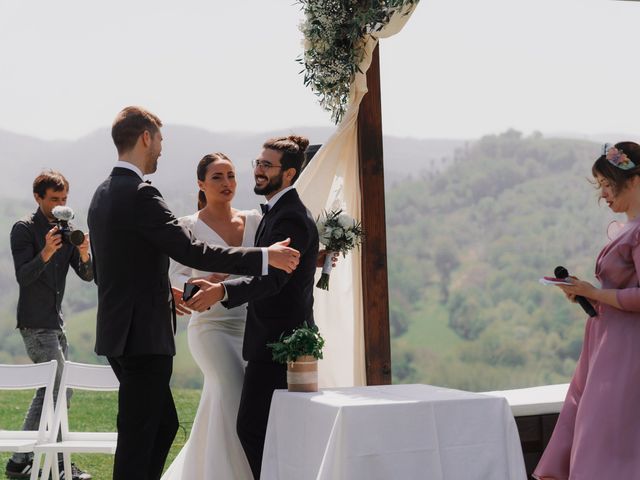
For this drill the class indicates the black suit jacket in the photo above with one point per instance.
(133, 234)
(279, 302)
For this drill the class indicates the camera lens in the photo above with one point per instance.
(76, 237)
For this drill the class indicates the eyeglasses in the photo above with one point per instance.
(263, 165)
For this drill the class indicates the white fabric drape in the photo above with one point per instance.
(331, 182)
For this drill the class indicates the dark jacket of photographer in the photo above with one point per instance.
(42, 284)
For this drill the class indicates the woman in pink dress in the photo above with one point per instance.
(598, 432)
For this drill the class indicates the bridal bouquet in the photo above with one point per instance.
(339, 233)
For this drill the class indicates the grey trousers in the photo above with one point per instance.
(42, 345)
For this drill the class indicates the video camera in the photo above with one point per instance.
(69, 235)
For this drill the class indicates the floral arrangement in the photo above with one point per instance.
(335, 33)
(305, 340)
(619, 159)
(339, 233)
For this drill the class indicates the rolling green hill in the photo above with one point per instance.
(466, 248)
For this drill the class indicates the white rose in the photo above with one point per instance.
(345, 221)
(337, 232)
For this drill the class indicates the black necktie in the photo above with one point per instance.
(265, 208)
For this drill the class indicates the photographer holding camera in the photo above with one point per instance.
(43, 249)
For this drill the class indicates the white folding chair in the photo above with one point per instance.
(78, 376)
(27, 377)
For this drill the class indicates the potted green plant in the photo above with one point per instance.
(300, 350)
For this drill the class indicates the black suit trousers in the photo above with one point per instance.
(260, 380)
(147, 418)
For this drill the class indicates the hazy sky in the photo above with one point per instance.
(460, 68)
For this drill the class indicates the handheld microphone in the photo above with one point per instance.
(561, 272)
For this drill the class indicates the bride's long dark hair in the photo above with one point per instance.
(201, 172)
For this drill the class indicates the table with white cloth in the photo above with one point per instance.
(391, 432)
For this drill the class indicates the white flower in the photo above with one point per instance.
(350, 236)
(325, 237)
(345, 221)
(337, 233)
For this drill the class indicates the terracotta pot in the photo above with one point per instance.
(302, 375)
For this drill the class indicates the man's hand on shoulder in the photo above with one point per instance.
(283, 257)
(52, 243)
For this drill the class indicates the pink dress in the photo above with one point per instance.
(598, 431)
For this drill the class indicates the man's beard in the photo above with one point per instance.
(273, 185)
(152, 163)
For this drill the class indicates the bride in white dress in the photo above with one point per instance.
(215, 335)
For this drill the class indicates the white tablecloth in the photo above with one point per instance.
(393, 432)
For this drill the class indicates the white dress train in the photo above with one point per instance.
(213, 451)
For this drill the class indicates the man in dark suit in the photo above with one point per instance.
(133, 235)
(281, 301)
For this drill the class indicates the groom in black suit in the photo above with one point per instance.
(281, 301)
(133, 235)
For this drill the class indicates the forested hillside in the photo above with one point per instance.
(466, 249)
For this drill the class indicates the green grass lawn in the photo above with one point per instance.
(94, 411)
